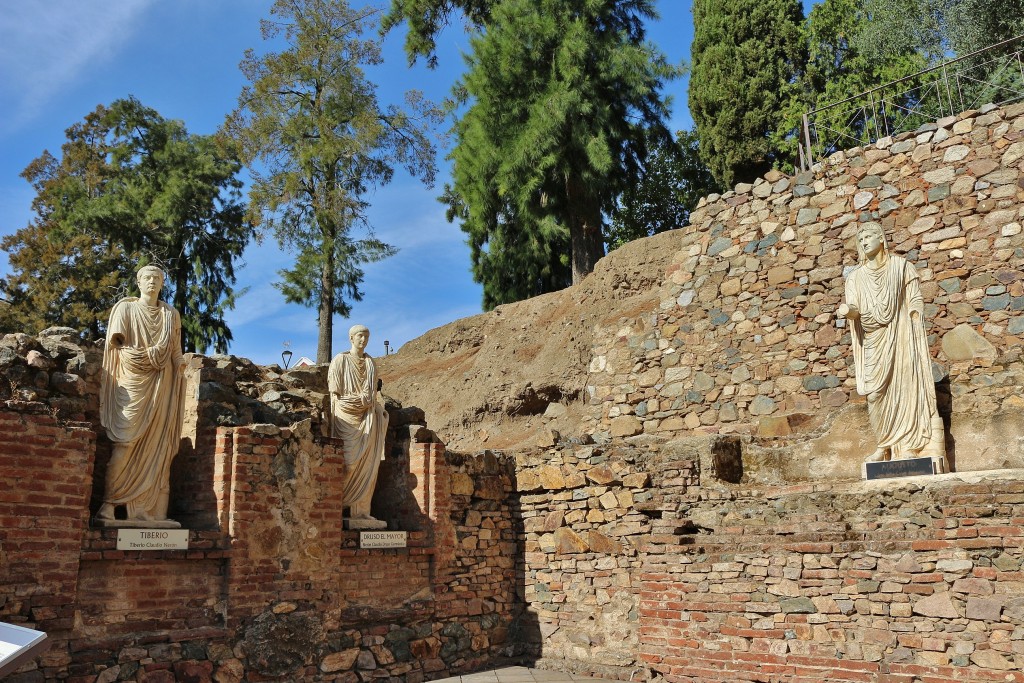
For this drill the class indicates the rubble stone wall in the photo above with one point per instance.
(676, 546)
(746, 332)
(588, 514)
(639, 562)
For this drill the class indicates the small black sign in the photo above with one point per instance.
(891, 469)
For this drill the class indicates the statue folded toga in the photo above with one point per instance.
(359, 418)
(141, 401)
(890, 352)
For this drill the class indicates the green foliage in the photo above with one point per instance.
(426, 18)
(746, 56)
(70, 281)
(561, 98)
(513, 263)
(318, 139)
(839, 68)
(673, 181)
(899, 27)
(974, 24)
(859, 45)
(130, 188)
(937, 29)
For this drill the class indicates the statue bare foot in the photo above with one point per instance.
(878, 456)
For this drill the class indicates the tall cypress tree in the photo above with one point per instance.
(745, 58)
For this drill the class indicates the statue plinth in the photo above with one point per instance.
(364, 523)
(135, 523)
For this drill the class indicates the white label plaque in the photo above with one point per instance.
(382, 539)
(152, 539)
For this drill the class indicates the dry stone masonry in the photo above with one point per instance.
(746, 331)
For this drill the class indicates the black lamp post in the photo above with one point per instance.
(386, 347)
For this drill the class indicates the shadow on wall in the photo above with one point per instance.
(525, 630)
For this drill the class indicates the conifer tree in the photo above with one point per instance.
(129, 188)
(318, 140)
(745, 59)
(563, 98)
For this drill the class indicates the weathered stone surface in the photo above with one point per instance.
(939, 605)
(568, 542)
(964, 343)
(973, 586)
(762, 405)
(984, 609)
(552, 477)
(462, 484)
(774, 426)
(600, 543)
(780, 275)
(602, 474)
(989, 659)
(626, 425)
(799, 605)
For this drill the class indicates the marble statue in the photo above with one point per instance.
(141, 404)
(890, 352)
(358, 417)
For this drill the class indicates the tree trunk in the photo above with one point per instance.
(180, 299)
(326, 315)
(587, 242)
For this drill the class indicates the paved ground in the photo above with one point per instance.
(516, 674)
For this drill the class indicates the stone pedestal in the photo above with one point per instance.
(135, 523)
(364, 524)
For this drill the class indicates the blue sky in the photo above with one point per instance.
(61, 58)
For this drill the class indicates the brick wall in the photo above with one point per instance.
(277, 589)
(47, 476)
(845, 582)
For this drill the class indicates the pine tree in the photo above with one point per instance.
(562, 101)
(745, 59)
(130, 188)
(310, 125)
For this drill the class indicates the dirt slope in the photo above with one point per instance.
(502, 379)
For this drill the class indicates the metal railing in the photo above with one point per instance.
(993, 75)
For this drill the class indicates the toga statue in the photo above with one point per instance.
(141, 402)
(359, 418)
(890, 352)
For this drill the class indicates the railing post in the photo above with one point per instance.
(949, 95)
(808, 155)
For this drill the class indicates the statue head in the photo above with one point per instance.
(148, 278)
(359, 335)
(870, 239)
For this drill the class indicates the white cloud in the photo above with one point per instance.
(46, 46)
